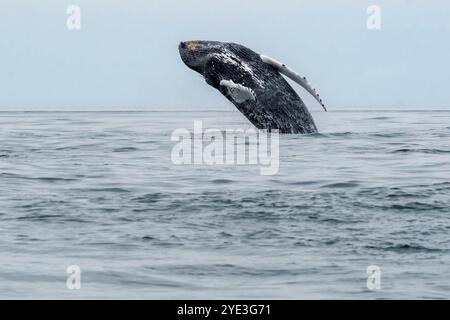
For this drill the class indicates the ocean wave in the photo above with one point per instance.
(421, 150)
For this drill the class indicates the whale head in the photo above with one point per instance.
(195, 54)
(217, 61)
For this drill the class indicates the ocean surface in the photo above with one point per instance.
(99, 190)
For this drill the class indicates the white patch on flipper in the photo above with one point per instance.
(283, 69)
(238, 92)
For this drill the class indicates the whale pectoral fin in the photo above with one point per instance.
(237, 92)
(283, 69)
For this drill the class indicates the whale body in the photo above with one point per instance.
(253, 83)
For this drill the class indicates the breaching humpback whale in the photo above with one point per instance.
(253, 83)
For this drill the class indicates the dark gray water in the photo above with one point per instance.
(99, 190)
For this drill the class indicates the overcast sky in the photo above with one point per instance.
(125, 54)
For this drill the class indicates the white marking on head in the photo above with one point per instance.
(228, 57)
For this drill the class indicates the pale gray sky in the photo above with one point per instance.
(125, 55)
